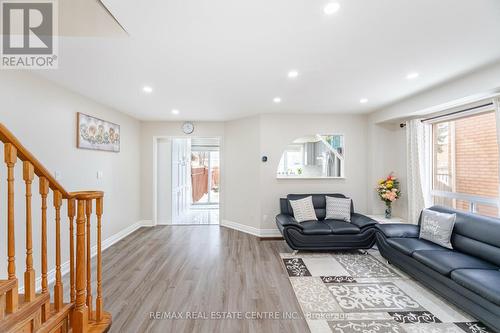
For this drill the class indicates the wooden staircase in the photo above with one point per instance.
(34, 311)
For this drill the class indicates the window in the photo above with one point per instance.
(292, 160)
(465, 163)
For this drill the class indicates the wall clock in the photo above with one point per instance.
(188, 127)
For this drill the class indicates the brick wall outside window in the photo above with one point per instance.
(470, 156)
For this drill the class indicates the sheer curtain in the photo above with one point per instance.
(418, 140)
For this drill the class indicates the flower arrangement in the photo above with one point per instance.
(388, 191)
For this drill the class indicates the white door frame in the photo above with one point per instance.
(155, 170)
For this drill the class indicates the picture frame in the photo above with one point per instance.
(97, 134)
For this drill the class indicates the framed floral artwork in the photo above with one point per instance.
(97, 134)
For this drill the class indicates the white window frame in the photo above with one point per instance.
(473, 200)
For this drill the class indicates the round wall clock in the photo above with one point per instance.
(188, 127)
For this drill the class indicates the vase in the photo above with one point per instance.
(388, 210)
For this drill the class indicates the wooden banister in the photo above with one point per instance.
(24, 155)
(56, 317)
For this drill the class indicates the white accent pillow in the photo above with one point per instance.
(338, 209)
(303, 209)
(437, 227)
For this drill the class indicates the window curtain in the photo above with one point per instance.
(418, 139)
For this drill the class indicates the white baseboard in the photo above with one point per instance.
(108, 242)
(164, 222)
(262, 233)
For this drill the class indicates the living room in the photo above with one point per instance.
(281, 114)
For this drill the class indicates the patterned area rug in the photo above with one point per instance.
(355, 292)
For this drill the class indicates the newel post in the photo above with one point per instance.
(80, 313)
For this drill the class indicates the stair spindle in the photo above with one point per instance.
(58, 286)
(29, 275)
(80, 313)
(10, 159)
(99, 305)
(88, 210)
(44, 191)
(71, 216)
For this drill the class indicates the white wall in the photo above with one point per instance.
(386, 154)
(241, 176)
(252, 190)
(150, 132)
(279, 130)
(43, 117)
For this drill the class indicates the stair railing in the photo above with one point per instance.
(83, 316)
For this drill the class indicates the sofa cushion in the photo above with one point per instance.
(303, 209)
(338, 209)
(410, 245)
(319, 202)
(340, 227)
(485, 283)
(447, 261)
(315, 228)
(437, 227)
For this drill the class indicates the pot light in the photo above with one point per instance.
(412, 75)
(175, 111)
(331, 8)
(147, 89)
(277, 100)
(293, 74)
(363, 100)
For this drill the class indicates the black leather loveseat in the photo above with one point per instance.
(324, 234)
(467, 276)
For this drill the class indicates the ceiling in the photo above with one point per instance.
(225, 59)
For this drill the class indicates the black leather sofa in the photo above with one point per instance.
(324, 234)
(467, 276)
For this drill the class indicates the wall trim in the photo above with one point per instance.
(261, 233)
(108, 242)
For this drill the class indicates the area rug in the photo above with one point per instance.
(344, 292)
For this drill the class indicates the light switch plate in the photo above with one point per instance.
(57, 175)
(100, 174)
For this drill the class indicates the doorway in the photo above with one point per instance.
(188, 181)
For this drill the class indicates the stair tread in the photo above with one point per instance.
(102, 326)
(7, 285)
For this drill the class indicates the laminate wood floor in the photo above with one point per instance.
(197, 269)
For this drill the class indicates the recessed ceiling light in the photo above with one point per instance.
(175, 111)
(412, 75)
(331, 8)
(147, 89)
(363, 100)
(277, 100)
(293, 74)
